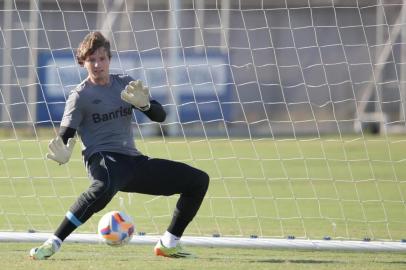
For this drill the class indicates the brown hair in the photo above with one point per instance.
(90, 44)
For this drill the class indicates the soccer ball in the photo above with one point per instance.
(116, 228)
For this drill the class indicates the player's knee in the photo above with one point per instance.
(203, 180)
(100, 195)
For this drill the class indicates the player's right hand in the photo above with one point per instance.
(136, 94)
(60, 152)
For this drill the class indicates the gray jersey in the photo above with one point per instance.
(101, 118)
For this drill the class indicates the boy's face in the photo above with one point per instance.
(97, 66)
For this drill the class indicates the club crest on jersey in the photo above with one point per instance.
(103, 117)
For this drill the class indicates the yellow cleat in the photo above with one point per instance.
(174, 252)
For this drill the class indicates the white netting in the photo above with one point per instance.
(294, 108)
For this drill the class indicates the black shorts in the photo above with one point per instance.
(142, 174)
(112, 172)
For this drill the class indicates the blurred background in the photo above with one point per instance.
(220, 67)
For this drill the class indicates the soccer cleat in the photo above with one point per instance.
(174, 252)
(45, 251)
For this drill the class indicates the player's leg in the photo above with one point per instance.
(166, 177)
(102, 172)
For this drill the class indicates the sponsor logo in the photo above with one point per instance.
(103, 117)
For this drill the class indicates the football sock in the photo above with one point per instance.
(65, 228)
(179, 223)
(169, 240)
(56, 242)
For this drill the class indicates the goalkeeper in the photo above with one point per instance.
(100, 110)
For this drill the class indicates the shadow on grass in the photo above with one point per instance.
(393, 262)
(300, 261)
(278, 261)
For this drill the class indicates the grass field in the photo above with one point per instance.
(84, 256)
(347, 188)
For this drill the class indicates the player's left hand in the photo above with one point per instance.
(136, 94)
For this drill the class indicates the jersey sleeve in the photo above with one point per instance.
(73, 113)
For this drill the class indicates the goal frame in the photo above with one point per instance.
(226, 242)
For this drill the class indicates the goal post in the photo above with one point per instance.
(295, 109)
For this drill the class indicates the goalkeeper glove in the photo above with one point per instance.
(60, 152)
(136, 94)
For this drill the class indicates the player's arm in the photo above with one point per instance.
(138, 95)
(61, 147)
(66, 133)
(156, 112)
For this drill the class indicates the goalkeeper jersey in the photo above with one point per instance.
(101, 118)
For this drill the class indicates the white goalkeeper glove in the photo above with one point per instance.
(136, 94)
(60, 152)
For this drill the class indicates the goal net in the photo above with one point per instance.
(295, 108)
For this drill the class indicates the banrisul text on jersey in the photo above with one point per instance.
(121, 112)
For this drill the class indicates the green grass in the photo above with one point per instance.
(352, 187)
(347, 188)
(85, 256)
